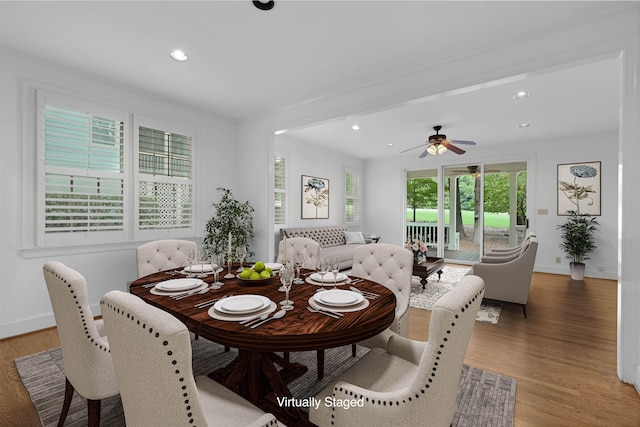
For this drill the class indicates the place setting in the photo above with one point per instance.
(178, 287)
(242, 308)
(337, 301)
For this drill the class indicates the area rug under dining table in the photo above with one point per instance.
(484, 398)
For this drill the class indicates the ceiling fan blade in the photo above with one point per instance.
(424, 154)
(456, 141)
(455, 149)
(409, 149)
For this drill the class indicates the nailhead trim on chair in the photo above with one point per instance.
(423, 390)
(165, 343)
(81, 313)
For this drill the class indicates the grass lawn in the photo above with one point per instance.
(431, 215)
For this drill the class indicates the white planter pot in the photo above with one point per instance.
(577, 270)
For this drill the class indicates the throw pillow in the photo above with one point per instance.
(354, 237)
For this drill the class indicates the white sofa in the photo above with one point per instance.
(334, 241)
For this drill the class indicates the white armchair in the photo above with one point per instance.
(86, 353)
(162, 255)
(498, 255)
(509, 280)
(309, 247)
(151, 353)
(412, 383)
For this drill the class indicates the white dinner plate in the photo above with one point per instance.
(328, 278)
(156, 291)
(357, 307)
(197, 268)
(338, 298)
(175, 285)
(219, 315)
(310, 281)
(274, 266)
(242, 304)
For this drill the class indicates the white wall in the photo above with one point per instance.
(386, 184)
(555, 48)
(24, 301)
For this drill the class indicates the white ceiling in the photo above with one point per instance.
(245, 62)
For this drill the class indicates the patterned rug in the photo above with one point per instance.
(484, 398)
(489, 310)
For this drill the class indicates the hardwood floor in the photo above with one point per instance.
(563, 357)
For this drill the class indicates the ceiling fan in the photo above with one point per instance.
(439, 144)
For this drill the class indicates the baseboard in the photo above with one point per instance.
(636, 383)
(564, 270)
(35, 323)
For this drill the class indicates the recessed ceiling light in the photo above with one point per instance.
(179, 55)
(355, 127)
(521, 94)
(280, 132)
(389, 145)
(524, 125)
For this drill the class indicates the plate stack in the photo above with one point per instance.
(319, 280)
(241, 307)
(338, 300)
(176, 286)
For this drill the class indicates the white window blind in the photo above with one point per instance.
(352, 197)
(165, 187)
(280, 191)
(83, 172)
(107, 176)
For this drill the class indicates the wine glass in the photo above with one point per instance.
(323, 269)
(286, 278)
(298, 262)
(191, 257)
(217, 262)
(241, 254)
(335, 269)
(202, 255)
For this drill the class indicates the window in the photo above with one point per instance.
(352, 198)
(90, 190)
(165, 180)
(280, 190)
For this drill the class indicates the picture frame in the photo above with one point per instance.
(579, 186)
(315, 197)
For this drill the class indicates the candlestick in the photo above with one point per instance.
(284, 258)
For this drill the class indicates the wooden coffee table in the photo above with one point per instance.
(433, 265)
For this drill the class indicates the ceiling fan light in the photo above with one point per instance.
(432, 149)
(442, 149)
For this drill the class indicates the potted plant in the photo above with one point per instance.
(231, 218)
(578, 240)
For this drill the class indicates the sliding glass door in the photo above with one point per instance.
(482, 206)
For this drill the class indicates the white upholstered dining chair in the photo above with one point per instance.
(308, 247)
(86, 354)
(151, 353)
(166, 254)
(391, 266)
(413, 383)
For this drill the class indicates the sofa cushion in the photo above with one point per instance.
(354, 237)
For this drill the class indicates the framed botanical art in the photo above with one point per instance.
(579, 188)
(315, 197)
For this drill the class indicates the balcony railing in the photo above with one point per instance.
(428, 233)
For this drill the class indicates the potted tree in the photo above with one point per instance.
(231, 218)
(578, 240)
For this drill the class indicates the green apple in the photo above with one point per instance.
(254, 276)
(246, 273)
(258, 266)
(265, 274)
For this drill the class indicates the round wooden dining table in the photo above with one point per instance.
(254, 373)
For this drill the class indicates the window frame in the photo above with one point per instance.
(357, 198)
(34, 206)
(283, 191)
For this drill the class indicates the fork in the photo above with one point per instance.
(209, 302)
(326, 313)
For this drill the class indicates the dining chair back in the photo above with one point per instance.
(412, 382)
(151, 352)
(166, 254)
(392, 266)
(88, 367)
(288, 247)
